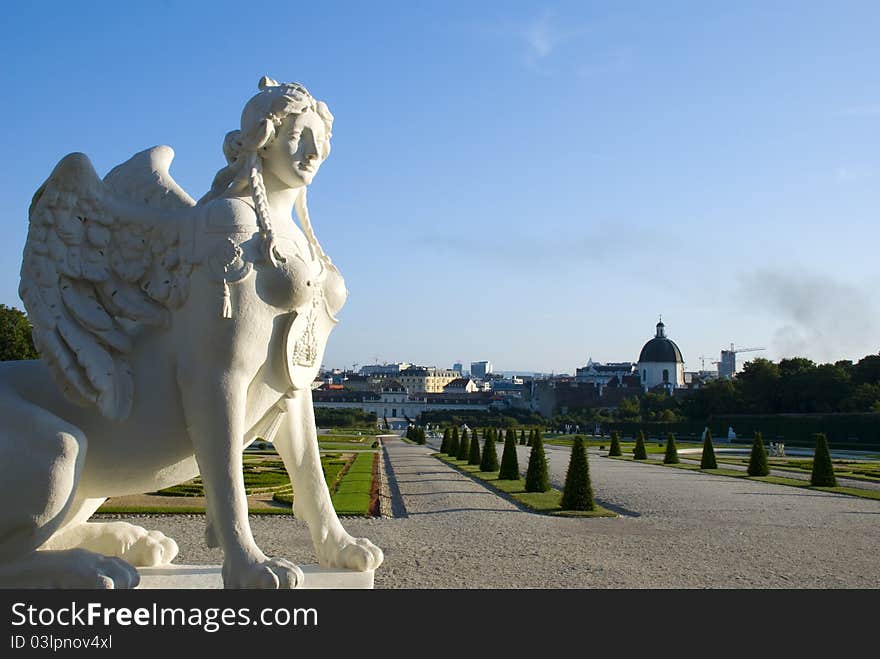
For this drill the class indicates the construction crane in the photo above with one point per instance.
(727, 365)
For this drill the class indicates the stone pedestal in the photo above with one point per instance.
(186, 577)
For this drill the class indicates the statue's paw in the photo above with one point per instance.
(271, 573)
(80, 568)
(151, 548)
(353, 554)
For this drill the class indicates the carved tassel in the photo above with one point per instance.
(227, 302)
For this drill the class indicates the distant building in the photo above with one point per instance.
(508, 388)
(460, 386)
(602, 374)
(426, 379)
(660, 362)
(481, 370)
(384, 369)
(458, 368)
(393, 402)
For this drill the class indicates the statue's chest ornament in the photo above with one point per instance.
(305, 348)
(306, 339)
(227, 266)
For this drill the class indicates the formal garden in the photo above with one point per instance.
(349, 460)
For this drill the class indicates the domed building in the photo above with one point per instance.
(660, 362)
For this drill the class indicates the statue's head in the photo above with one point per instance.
(287, 128)
(284, 132)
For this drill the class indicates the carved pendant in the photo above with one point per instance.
(306, 339)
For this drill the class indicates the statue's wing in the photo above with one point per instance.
(90, 279)
(145, 178)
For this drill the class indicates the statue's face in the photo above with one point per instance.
(297, 151)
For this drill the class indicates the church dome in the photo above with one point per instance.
(660, 349)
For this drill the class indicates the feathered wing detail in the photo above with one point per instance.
(90, 278)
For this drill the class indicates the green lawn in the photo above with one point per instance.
(857, 469)
(353, 492)
(349, 478)
(776, 480)
(540, 502)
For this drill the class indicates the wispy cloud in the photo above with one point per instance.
(818, 316)
(539, 38)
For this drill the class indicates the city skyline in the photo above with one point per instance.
(529, 183)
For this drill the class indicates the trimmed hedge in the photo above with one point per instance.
(615, 444)
(509, 463)
(823, 469)
(671, 455)
(537, 478)
(578, 492)
(758, 459)
(708, 460)
(639, 451)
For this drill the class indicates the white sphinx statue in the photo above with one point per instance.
(172, 334)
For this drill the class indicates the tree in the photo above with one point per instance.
(629, 409)
(489, 461)
(708, 460)
(823, 468)
(444, 445)
(464, 446)
(639, 451)
(385, 422)
(421, 439)
(671, 456)
(509, 463)
(522, 436)
(15, 335)
(453, 442)
(758, 459)
(615, 444)
(474, 455)
(537, 479)
(578, 492)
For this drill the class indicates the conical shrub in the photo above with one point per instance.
(671, 456)
(531, 440)
(453, 442)
(758, 459)
(708, 460)
(498, 435)
(640, 452)
(444, 445)
(474, 455)
(578, 492)
(823, 468)
(421, 437)
(522, 437)
(509, 463)
(615, 444)
(489, 461)
(537, 479)
(464, 446)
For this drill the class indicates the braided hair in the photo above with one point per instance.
(260, 120)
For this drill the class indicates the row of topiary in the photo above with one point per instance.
(577, 493)
(822, 474)
(416, 434)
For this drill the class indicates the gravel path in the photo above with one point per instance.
(679, 529)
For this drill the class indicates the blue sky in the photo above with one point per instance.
(525, 182)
